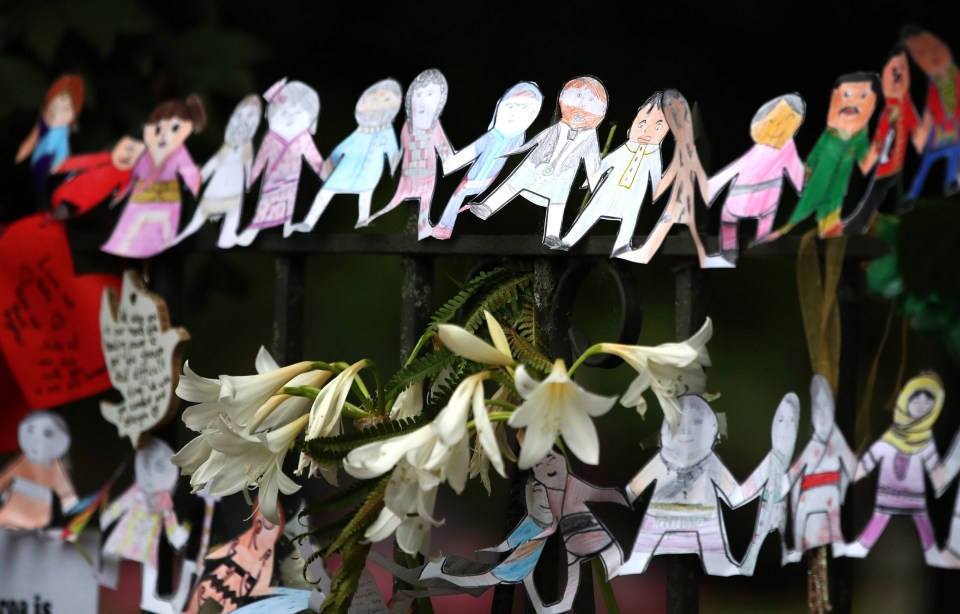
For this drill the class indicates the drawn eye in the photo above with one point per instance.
(698, 422)
(30, 428)
(175, 128)
(863, 95)
(48, 433)
(156, 131)
(642, 124)
(847, 93)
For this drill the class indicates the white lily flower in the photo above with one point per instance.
(412, 530)
(244, 394)
(264, 362)
(451, 423)
(409, 403)
(374, 459)
(193, 455)
(463, 343)
(408, 509)
(196, 389)
(497, 335)
(558, 406)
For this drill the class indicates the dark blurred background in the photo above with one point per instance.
(727, 59)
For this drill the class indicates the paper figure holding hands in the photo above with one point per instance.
(292, 111)
(769, 482)
(241, 568)
(683, 516)
(756, 177)
(357, 162)
(48, 143)
(28, 483)
(514, 113)
(898, 124)
(683, 177)
(830, 163)
(96, 177)
(625, 174)
(151, 217)
(546, 174)
(145, 511)
(226, 173)
(941, 114)
(421, 136)
(819, 478)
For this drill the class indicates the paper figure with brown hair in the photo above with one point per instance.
(755, 179)
(898, 125)
(683, 516)
(151, 217)
(683, 177)
(356, 164)
(514, 113)
(819, 478)
(240, 569)
(546, 174)
(48, 143)
(29, 482)
(225, 174)
(941, 113)
(293, 108)
(94, 178)
(625, 174)
(422, 139)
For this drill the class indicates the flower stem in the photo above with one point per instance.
(495, 416)
(352, 411)
(499, 403)
(309, 392)
(325, 366)
(591, 351)
(606, 591)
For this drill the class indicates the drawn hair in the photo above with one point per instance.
(794, 101)
(390, 85)
(591, 84)
(523, 89)
(69, 85)
(431, 76)
(897, 49)
(156, 447)
(57, 419)
(909, 30)
(655, 101)
(298, 94)
(191, 109)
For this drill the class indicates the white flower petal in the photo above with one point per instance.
(457, 467)
(633, 397)
(195, 389)
(537, 441)
(375, 459)
(485, 434)
(496, 334)
(524, 383)
(471, 347)
(383, 527)
(191, 456)
(451, 423)
(580, 435)
(202, 416)
(264, 362)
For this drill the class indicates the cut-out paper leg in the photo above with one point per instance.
(195, 223)
(553, 224)
(444, 228)
(584, 222)
(495, 201)
(645, 252)
(319, 205)
(950, 185)
(245, 238)
(363, 208)
(228, 231)
(858, 222)
(424, 227)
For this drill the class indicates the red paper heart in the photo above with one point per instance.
(49, 316)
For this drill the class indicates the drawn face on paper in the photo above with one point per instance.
(851, 106)
(677, 114)
(930, 53)
(777, 126)
(153, 470)
(243, 124)
(289, 120)
(822, 411)
(126, 153)
(59, 111)
(516, 113)
(895, 79)
(581, 108)
(165, 136)
(696, 432)
(783, 433)
(43, 438)
(551, 471)
(649, 126)
(920, 404)
(425, 105)
(378, 106)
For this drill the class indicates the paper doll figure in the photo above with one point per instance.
(30, 481)
(683, 176)
(96, 177)
(145, 511)
(898, 124)
(547, 172)
(292, 111)
(514, 113)
(756, 177)
(421, 136)
(48, 143)
(683, 516)
(151, 217)
(357, 162)
(625, 174)
(830, 163)
(819, 478)
(902, 456)
(226, 173)
(941, 114)
(240, 569)
(769, 482)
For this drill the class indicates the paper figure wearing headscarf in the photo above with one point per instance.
(819, 478)
(357, 162)
(683, 177)
(769, 482)
(145, 511)
(225, 174)
(902, 456)
(241, 568)
(547, 172)
(756, 177)
(151, 218)
(830, 163)
(48, 143)
(898, 124)
(941, 111)
(514, 113)
(683, 516)
(624, 177)
(29, 482)
(94, 178)
(421, 136)
(292, 111)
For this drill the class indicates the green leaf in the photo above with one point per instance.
(526, 352)
(426, 367)
(363, 518)
(503, 295)
(333, 449)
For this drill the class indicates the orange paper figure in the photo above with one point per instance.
(30, 481)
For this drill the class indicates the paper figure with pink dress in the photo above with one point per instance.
(422, 139)
(151, 217)
(293, 108)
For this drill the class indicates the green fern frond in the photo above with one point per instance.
(343, 585)
(528, 323)
(505, 294)
(526, 352)
(427, 367)
(506, 382)
(350, 496)
(450, 309)
(330, 449)
(327, 531)
(363, 518)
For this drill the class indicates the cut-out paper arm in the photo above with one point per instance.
(117, 509)
(650, 473)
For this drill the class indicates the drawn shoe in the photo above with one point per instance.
(717, 261)
(442, 232)
(480, 210)
(854, 550)
(554, 242)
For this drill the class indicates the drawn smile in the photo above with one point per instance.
(849, 110)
